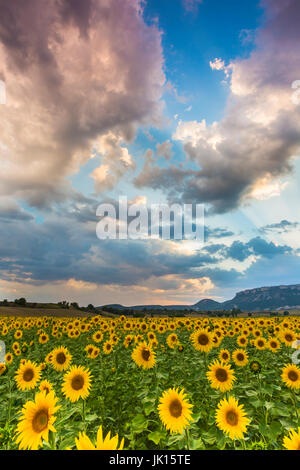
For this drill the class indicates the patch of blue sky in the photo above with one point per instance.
(36, 213)
(191, 40)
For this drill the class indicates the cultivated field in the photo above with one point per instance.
(40, 312)
(154, 383)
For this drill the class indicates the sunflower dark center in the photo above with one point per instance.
(175, 408)
(77, 382)
(221, 375)
(28, 375)
(203, 339)
(240, 357)
(225, 356)
(289, 338)
(273, 344)
(146, 354)
(232, 418)
(61, 358)
(293, 376)
(260, 343)
(40, 421)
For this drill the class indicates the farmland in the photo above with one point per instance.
(149, 383)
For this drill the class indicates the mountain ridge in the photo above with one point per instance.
(256, 299)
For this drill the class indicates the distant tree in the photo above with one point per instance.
(235, 311)
(75, 305)
(90, 307)
(5, 302)
(21, 302)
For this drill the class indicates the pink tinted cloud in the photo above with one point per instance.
(75, 70)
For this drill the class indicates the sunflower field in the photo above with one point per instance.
(194, 383)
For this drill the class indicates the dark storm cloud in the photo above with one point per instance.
(65, 246)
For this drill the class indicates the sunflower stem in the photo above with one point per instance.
(9, 401)
(294, 399)
(187, 437)
(52, 440)
(243, 444)
(83, 415)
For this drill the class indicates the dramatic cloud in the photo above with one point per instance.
(257, 247)
(281, 227)
(164, 150)
(244, 155)
(80, 76)
(11, 211)
(217, 232)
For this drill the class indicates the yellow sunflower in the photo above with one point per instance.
(231, 418)
(27, 375)
(36, 421)
(240, 357)
(172, 340)
(108, 443)
(77, 383)
(273, 344)
(291, 376)
(95, 353)
(43, 338)
(8, 358)
(220, 376)
(287, 336)
(242, 341)
(98, 336)
(144, 356)
(89, 349)
(175, 410)
(45, 386)
(292, 441)
(107, 347)
(48, 358)
(224, 355)
(60, 358)
(260, 343)
(202, 340)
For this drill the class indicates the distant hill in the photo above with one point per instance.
(259, 299)
(262, 298)
(208, 304)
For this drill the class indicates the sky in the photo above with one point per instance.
(161, 101)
